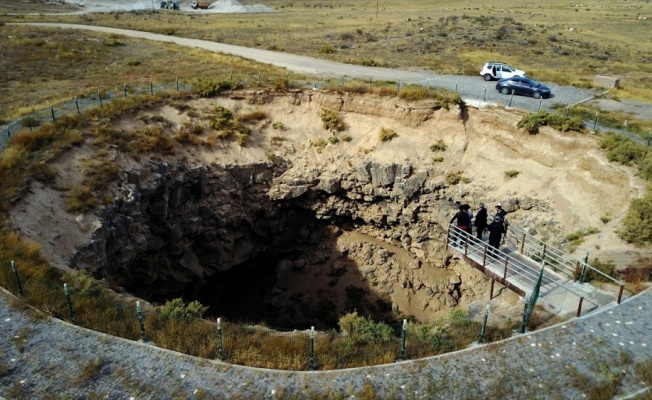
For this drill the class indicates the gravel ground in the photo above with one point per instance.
(43, 357)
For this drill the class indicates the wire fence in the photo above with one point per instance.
(256, 345)
(487, 93)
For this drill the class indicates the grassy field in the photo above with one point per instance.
(553, 41)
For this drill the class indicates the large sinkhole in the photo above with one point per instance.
(253, 250)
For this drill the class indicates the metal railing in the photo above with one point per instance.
(506, 269)
(554, 258)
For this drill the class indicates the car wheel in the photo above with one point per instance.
(536, 95)
(504, 90)
(487, 77)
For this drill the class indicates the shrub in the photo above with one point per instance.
(364, 330)
(437, 159)
(331, 121)
(319, 144)
(512, 173)
(83, 284)
(333, 140)
(211, 87)
(439, 146)
(327, 49)
(387, 134)
(577, 238)
(278, 126)
(637, 228)
(346, 138)
(176, 308)
(533, 121)
(455, 177)
(623, 150)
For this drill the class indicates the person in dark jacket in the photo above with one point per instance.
(500, 212)
(463, 222)
(480, 220)
(496, 230)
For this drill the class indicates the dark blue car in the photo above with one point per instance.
(522, 85)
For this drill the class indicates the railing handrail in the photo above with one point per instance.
(567, 259)
(525, 270)
(455, 233)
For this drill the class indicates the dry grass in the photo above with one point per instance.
(554, 41)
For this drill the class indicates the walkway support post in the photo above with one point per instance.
(484, 320)
(579, 307)
(68, 302)
(19, 287)
(403, 338)
(491, 292)
(523, 243)
(620, 293)
(220, 345)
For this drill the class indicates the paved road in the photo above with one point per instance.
(41, 357)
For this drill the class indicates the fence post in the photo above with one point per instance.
(68, 302)
(19, 287)
(52, 112)
(151, 87)
(371, 85)
(403, 337)
(620, 294)
(29, 122)
(568, 110)
(510, 99)
(312, 348)
(124, 89)
(540, 100)
(456, 86)
(484, 98)
(579, 306)
(583, 274)
(595, 121)
(177, 83)
(525, 313)
(342, 82)
(9, 132)
(649, 139)
(399, 84)
(523, 243)
(99, 97)
(258, 78)
(77, 105)
(484, 321)
(624, 128)
(220, 346)
(141, 322)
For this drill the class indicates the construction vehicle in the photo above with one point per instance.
(169, 5)
(200, 4)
